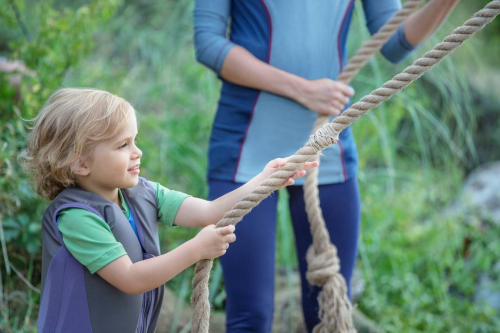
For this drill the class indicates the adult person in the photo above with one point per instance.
(278, 69)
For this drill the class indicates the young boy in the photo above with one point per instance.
(102, 219)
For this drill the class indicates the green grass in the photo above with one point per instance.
(419, 276)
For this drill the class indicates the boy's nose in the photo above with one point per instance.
(137, 153)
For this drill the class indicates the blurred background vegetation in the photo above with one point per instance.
(419, 265)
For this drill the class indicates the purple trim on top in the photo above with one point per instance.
(340, 33)
(71, 205)
(214, 67)
(269, 44)
(341, 67)
(343, 160)
(245, 136)
(270, 30)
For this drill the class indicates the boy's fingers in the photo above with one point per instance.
(230, 238)
(282, 161)
(279, 162)
(310, 165)
(299, 174)
(226, 230)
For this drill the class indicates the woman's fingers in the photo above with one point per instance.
(345, 89)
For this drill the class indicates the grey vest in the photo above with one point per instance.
(73, 300)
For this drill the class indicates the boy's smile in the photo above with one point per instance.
(114, 164)
(135, 169)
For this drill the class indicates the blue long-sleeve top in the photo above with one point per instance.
(306, 38)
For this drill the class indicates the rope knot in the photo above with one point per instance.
(324, 137)
(322, 266)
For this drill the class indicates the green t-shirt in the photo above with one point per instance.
(90, 240)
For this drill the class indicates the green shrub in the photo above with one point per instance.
(53, 39)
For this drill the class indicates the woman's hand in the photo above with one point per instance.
(213, 242)
(324, 96)
(277, 163)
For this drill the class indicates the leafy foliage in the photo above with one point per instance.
(54, 40)
(421, 265)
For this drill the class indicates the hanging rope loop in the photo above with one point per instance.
(322, 267)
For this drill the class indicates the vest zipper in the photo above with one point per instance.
(147, 308)
(146, 311)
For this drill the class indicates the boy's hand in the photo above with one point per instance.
(213, 242)
(277, 163)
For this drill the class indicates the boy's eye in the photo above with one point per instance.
(123, 145)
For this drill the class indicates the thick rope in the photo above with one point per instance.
(201, 313)
(322, 260)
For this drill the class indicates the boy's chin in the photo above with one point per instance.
(132, 183)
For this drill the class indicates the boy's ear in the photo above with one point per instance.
(80, 168)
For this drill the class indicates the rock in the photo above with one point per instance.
(357, 285)
(15, 70)
(480, 201)
(487, 289)
(481, 194)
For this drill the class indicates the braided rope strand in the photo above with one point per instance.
(322, 261)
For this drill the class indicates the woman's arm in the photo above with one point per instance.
(423, 23)
(195, 212)
(416, 28)
(324, 95)
(235, 64)
(210, 29)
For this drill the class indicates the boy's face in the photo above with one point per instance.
(114, 164)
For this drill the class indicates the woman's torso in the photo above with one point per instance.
(251, 127)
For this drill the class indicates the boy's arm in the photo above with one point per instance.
(148, 274)
(142, 276)
(90, 240)
(195, 212)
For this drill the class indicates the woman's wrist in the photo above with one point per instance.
(297, 89)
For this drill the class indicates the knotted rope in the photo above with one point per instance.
(323, 264)
(199, 299)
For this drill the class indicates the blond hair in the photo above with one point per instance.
(67, 129)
